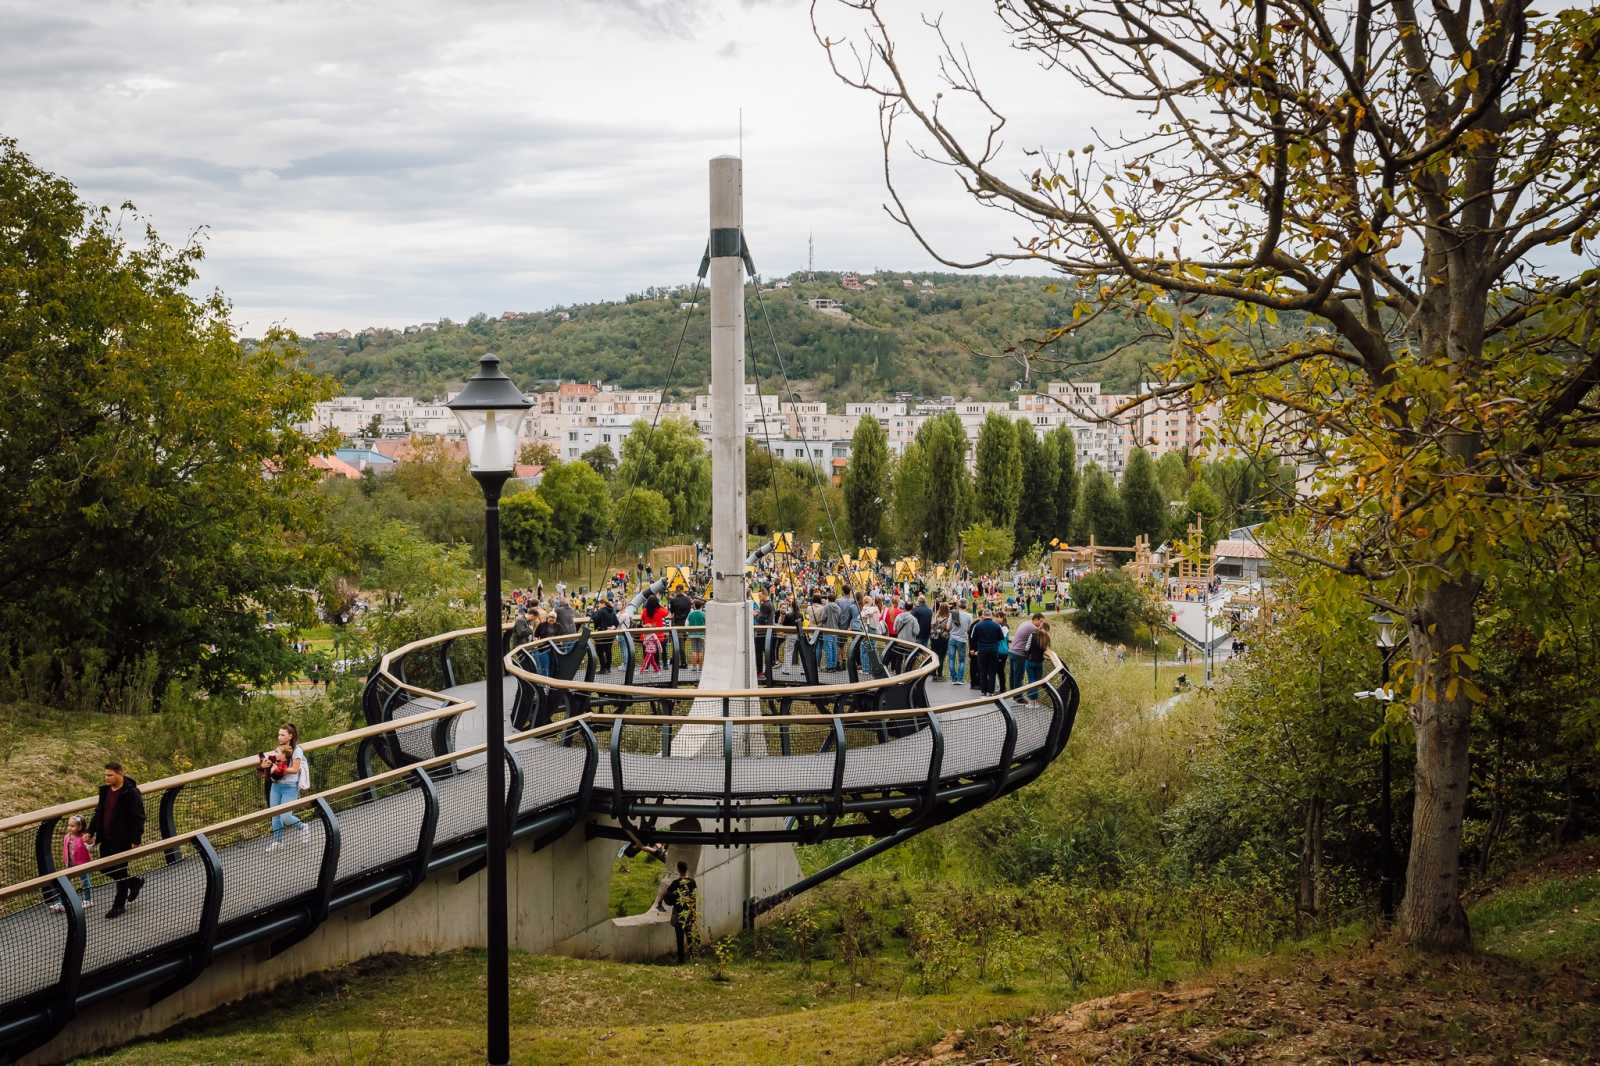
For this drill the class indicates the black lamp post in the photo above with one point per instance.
(1386, 627)
(491, 409)
(590, 548)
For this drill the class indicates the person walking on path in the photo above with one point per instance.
(603, 618)
(1037, 646)
(75, 852)
(117, 826)
(939, 637)
(1020, 644)
(695, 638)
(956, 653)
(924, 616)
(986, 637)
(288, 773)
(680, 896)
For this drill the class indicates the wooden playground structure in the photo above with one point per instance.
(1187, 561)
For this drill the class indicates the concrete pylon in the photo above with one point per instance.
(730, 655)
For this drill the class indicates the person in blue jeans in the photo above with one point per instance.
(1021, 643)
(287, 773)
(955, 658)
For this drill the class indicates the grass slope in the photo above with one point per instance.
(1531, 994)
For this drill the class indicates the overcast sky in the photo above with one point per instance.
(379, 164)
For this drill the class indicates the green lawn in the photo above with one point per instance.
(429, 1010)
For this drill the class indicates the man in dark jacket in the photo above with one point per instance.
(603, 617)
(680, 896)
(986, 637)
(679, 606)
(118, 825)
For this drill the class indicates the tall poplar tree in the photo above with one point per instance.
(998, 484)
(1063, 444)
(948, 490)
(1036, 510)
(866, 482)
(1143, 506)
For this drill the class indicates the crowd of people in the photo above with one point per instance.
(983, 632)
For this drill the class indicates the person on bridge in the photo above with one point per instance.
(695, 639)
(956, 653)
(680, 896)
(986, 637)
(1038, 644)
(288, 773)
(924, 616)
(1021, 645)
(117, 826)
(602, 618)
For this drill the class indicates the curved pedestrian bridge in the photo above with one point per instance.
(847, 735)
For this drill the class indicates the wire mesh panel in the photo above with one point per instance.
(886, 751)
(33, 940)
(378, 826)
(806, 770)
(973, 739)
(264, 866)
(552, 772)
(1033, 727)
(463, 803)
(162, 906)
(18, 862)
(691, 654)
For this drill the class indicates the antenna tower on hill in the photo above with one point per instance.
(811, 257)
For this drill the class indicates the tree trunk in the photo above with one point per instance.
(1311, 888)
(1431, 915)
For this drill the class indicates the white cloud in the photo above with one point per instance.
(389, 163)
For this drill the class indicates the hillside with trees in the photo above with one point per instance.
(950, 339)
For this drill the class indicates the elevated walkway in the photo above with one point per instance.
(395, 828)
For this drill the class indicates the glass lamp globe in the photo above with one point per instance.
(490, 409)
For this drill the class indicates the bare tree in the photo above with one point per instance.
(1388, 176)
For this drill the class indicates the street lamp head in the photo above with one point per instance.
(1387, 626)
(490, 409)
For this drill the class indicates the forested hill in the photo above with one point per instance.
(944, 340)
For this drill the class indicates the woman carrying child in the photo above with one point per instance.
(287, 773)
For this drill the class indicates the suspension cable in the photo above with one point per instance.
(655, 418)
(772, 336)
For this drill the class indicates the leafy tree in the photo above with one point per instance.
(643, 518)
(580, 502)
(866, 482)
(1108, 604)
(1200, 505)
(671, 460)
(158, 500)
(1397, 176)
(911, 502)
(1291, 757)
(602, 459)
(538, 453)
(529, 532)
(1144, 508)
(434, 492)
(1061, 442)
(788, 501)
(987, 548)
(1101, 509)
(998, 484)
(1036, 510)
(948, 490)
(1173, 474)
(427, 587)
